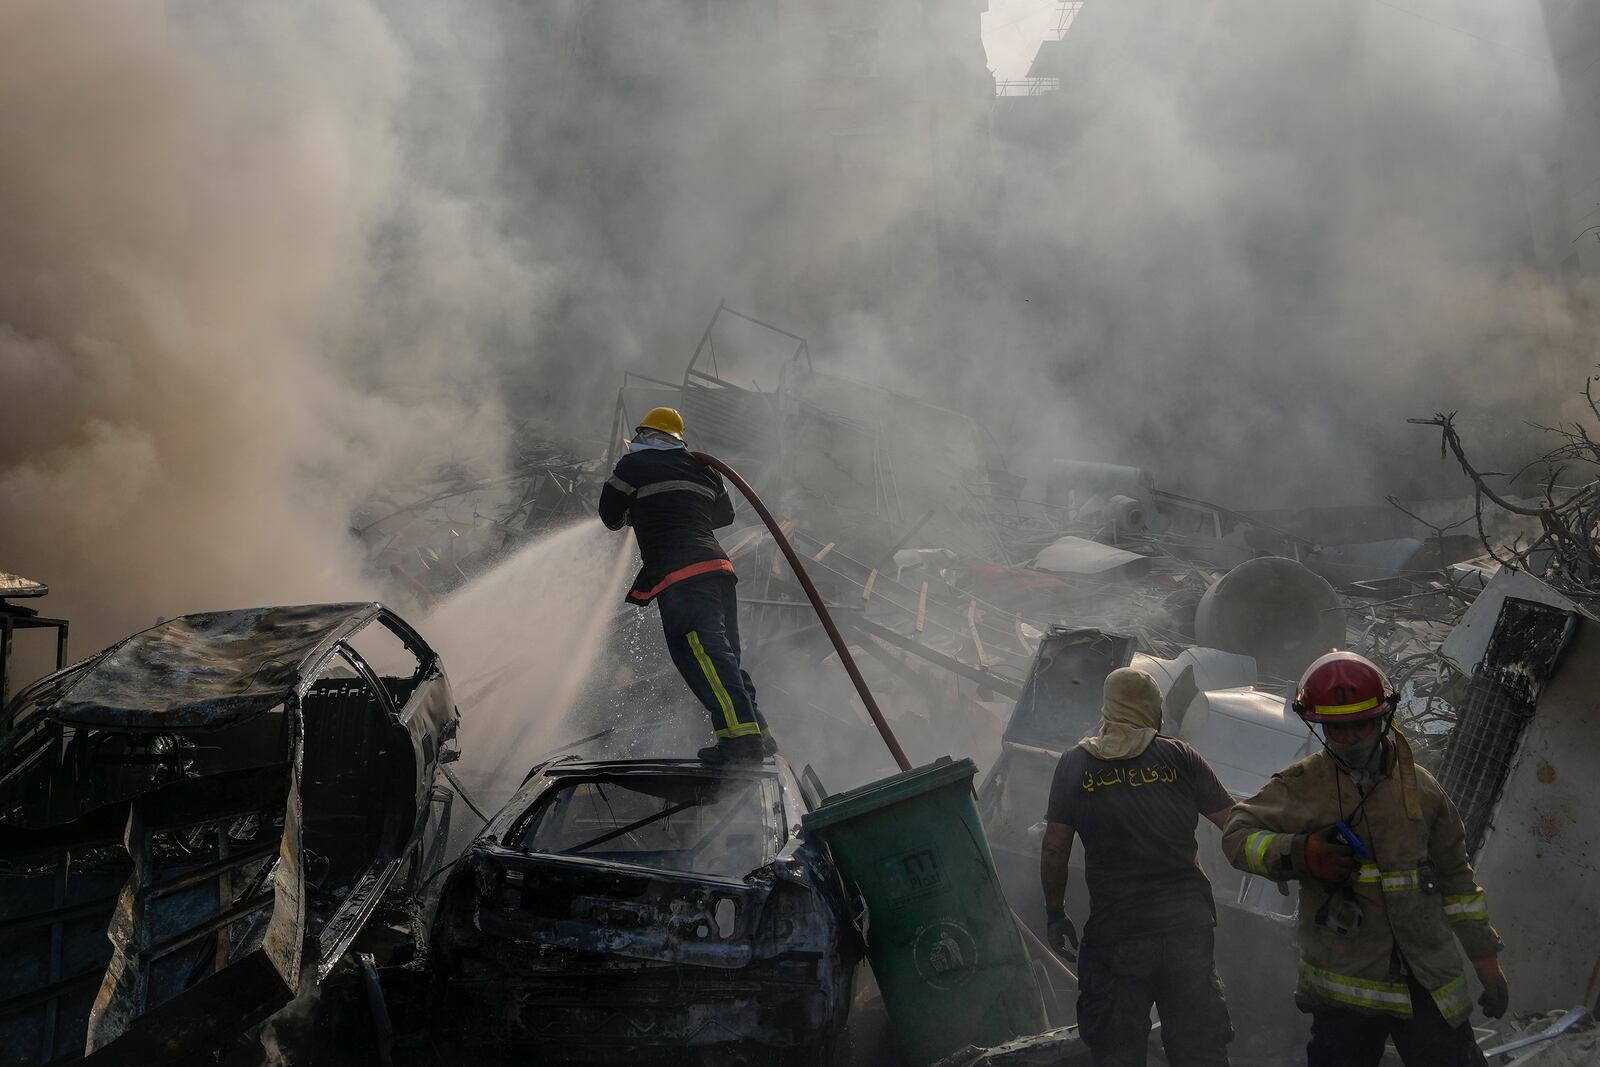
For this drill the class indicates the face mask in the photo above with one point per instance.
(1357, 753)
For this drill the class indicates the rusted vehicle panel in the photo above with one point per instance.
(642, 912)
(198, 821)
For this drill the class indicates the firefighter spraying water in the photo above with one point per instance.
(674, 502)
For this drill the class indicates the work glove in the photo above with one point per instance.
(1496, 996)
(1060, 934)
(1327, 859)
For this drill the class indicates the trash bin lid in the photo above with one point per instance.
(842, 807)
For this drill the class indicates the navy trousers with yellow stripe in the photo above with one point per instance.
(701, 619)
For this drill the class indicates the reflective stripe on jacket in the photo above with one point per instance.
(674, 502)
(1417, 893)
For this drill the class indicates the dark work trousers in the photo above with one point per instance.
(1118, 982)
(1342, 1038)
(700, 617)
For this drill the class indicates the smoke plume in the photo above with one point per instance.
(256, 260)
(234, 297)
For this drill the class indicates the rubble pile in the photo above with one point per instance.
(257, 804)
(946, 567)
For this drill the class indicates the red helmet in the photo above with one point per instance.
(1343, 687)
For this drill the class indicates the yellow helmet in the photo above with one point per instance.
(667, 420)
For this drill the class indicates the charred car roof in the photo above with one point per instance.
(538, 780)
(207, 669)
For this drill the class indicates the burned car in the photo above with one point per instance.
(198, 823)
(645, 911)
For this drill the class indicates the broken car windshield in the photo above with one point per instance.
(673, 823)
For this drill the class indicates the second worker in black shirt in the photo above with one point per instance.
(1133, 798)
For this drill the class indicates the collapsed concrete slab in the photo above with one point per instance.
(1520, 767)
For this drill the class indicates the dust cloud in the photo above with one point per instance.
(1240, 246)
(234, 298)
(1255, 238)
(258, 260)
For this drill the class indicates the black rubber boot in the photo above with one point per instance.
(733, 750)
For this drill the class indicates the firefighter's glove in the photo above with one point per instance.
(1496, 996)
(1060, 934)
(1328, 859)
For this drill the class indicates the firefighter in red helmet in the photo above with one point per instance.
(1385, 881)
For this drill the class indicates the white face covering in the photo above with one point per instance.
(654, 439)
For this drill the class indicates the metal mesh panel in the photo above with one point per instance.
(1501, 699)
(1490, 722)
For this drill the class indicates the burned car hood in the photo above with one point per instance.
(208, 669)
(629, 911)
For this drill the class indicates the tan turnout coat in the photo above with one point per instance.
(1417, 894)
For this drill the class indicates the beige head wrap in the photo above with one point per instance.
(1130, 718)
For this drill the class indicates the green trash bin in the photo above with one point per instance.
(940, 937)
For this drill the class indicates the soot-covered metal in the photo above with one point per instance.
(198, 823)
(642, 911)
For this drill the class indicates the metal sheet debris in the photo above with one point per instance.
(197, 823)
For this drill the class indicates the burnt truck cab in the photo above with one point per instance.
(197, 824)
(642, 911)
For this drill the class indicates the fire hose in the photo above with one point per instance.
(1040, 950)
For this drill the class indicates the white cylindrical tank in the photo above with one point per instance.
(1275, 610)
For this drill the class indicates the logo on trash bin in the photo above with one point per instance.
(910, 875)
(945, 953)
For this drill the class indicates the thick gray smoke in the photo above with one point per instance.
(1240, 246)
(1258, 236)
(258, 259)
(235, 295)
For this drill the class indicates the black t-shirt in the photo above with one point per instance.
(1136, 819)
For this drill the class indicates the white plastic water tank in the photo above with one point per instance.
(1246, 735)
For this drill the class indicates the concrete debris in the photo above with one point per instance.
(1547, 1039)
(1519, 765)
(1055, 1048)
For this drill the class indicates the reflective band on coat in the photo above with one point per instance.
(677, 487)
(693, 570)
(1391, 998)
(1400, 881)
(619, 485)
(1466, 908)
(1255, 850)
(1389, 881)
(1345, 709)
(1454, 1001)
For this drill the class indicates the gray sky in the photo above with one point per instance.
(1012, 30)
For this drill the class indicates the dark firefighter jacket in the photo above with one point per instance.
(1417, 891)
(673, 501)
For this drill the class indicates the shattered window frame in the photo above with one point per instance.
(762, 790)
